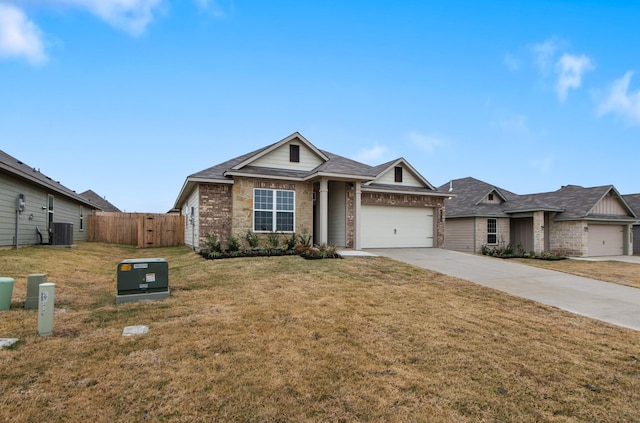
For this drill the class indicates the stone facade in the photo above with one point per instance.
(242, 218)
(568, 238)
(503, 234)
(400, 200)
(538, 232)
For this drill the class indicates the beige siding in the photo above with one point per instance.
(337, 231)
(609, 206)
(191, 225)
(459, 235)
(279, 158)
(408, 180)
(496, 199)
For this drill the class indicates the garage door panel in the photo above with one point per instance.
(606, 240)
(389, 227)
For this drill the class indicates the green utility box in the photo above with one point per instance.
(142, 279)
(6, 290)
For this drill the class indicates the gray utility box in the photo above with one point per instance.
(142, 279)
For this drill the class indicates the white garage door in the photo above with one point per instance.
(606, 240)
(389, 227)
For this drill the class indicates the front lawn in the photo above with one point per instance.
(288, 339)
(608, 271)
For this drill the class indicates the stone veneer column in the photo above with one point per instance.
(538, 232)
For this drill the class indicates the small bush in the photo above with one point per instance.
(233, 244)
(252, 239)
(291, 242)
(213, 245)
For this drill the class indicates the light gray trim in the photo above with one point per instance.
(409, 167)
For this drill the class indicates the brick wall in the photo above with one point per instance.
(215, 211)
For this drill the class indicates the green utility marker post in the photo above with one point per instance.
(45, 308)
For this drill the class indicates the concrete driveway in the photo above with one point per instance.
(604, 301)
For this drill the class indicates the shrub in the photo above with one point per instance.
(273, 239)
(233, 244)
(305, 239)
(213, 245)
(291, 242)
(252, 238)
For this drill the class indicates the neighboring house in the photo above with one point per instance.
(293, 187)
(101, 202)
(572, 221)
(30, 202)
(634, 201)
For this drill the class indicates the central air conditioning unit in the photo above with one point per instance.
(61, 233)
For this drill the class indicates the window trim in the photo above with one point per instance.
(495, 233)
(274, 211)
(50, 210)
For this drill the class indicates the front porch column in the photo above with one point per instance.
(538, 232)
(357, 226)
(323, 209)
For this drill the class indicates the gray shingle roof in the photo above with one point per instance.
(15, 167)
(468, 192)
(570, 202)
(633, 200)
(100, 201)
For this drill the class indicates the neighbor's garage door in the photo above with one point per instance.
(606, 240)
(390, 227)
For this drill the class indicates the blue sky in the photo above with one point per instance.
(128, 97)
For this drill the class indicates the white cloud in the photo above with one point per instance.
(426, 143)
(621, 101)
(544, 54)
(213, 7)
(372, 156)
(132, 16)
(542, 165)
(570, 69)
(19, 36)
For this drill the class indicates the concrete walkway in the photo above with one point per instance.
(604, 301)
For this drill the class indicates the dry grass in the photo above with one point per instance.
(608, 271)
(285, 339)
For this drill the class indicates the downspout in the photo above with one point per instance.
(17, 225)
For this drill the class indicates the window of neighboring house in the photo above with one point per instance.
(273, 210)
(294, 153)
(81, 218)
(492, 231)
(398, 174)
(49, 211)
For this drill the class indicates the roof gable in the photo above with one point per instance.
(385, 174)
(276, 156)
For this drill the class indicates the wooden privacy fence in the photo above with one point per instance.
(140, 229)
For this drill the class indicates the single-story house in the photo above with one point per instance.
(634, 201)
(572, 221)
(291, 186)
(105, 205)
(31, 203)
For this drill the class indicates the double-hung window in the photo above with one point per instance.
(273, 210)
(492, 231)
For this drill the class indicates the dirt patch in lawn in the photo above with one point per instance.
(287, 339)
